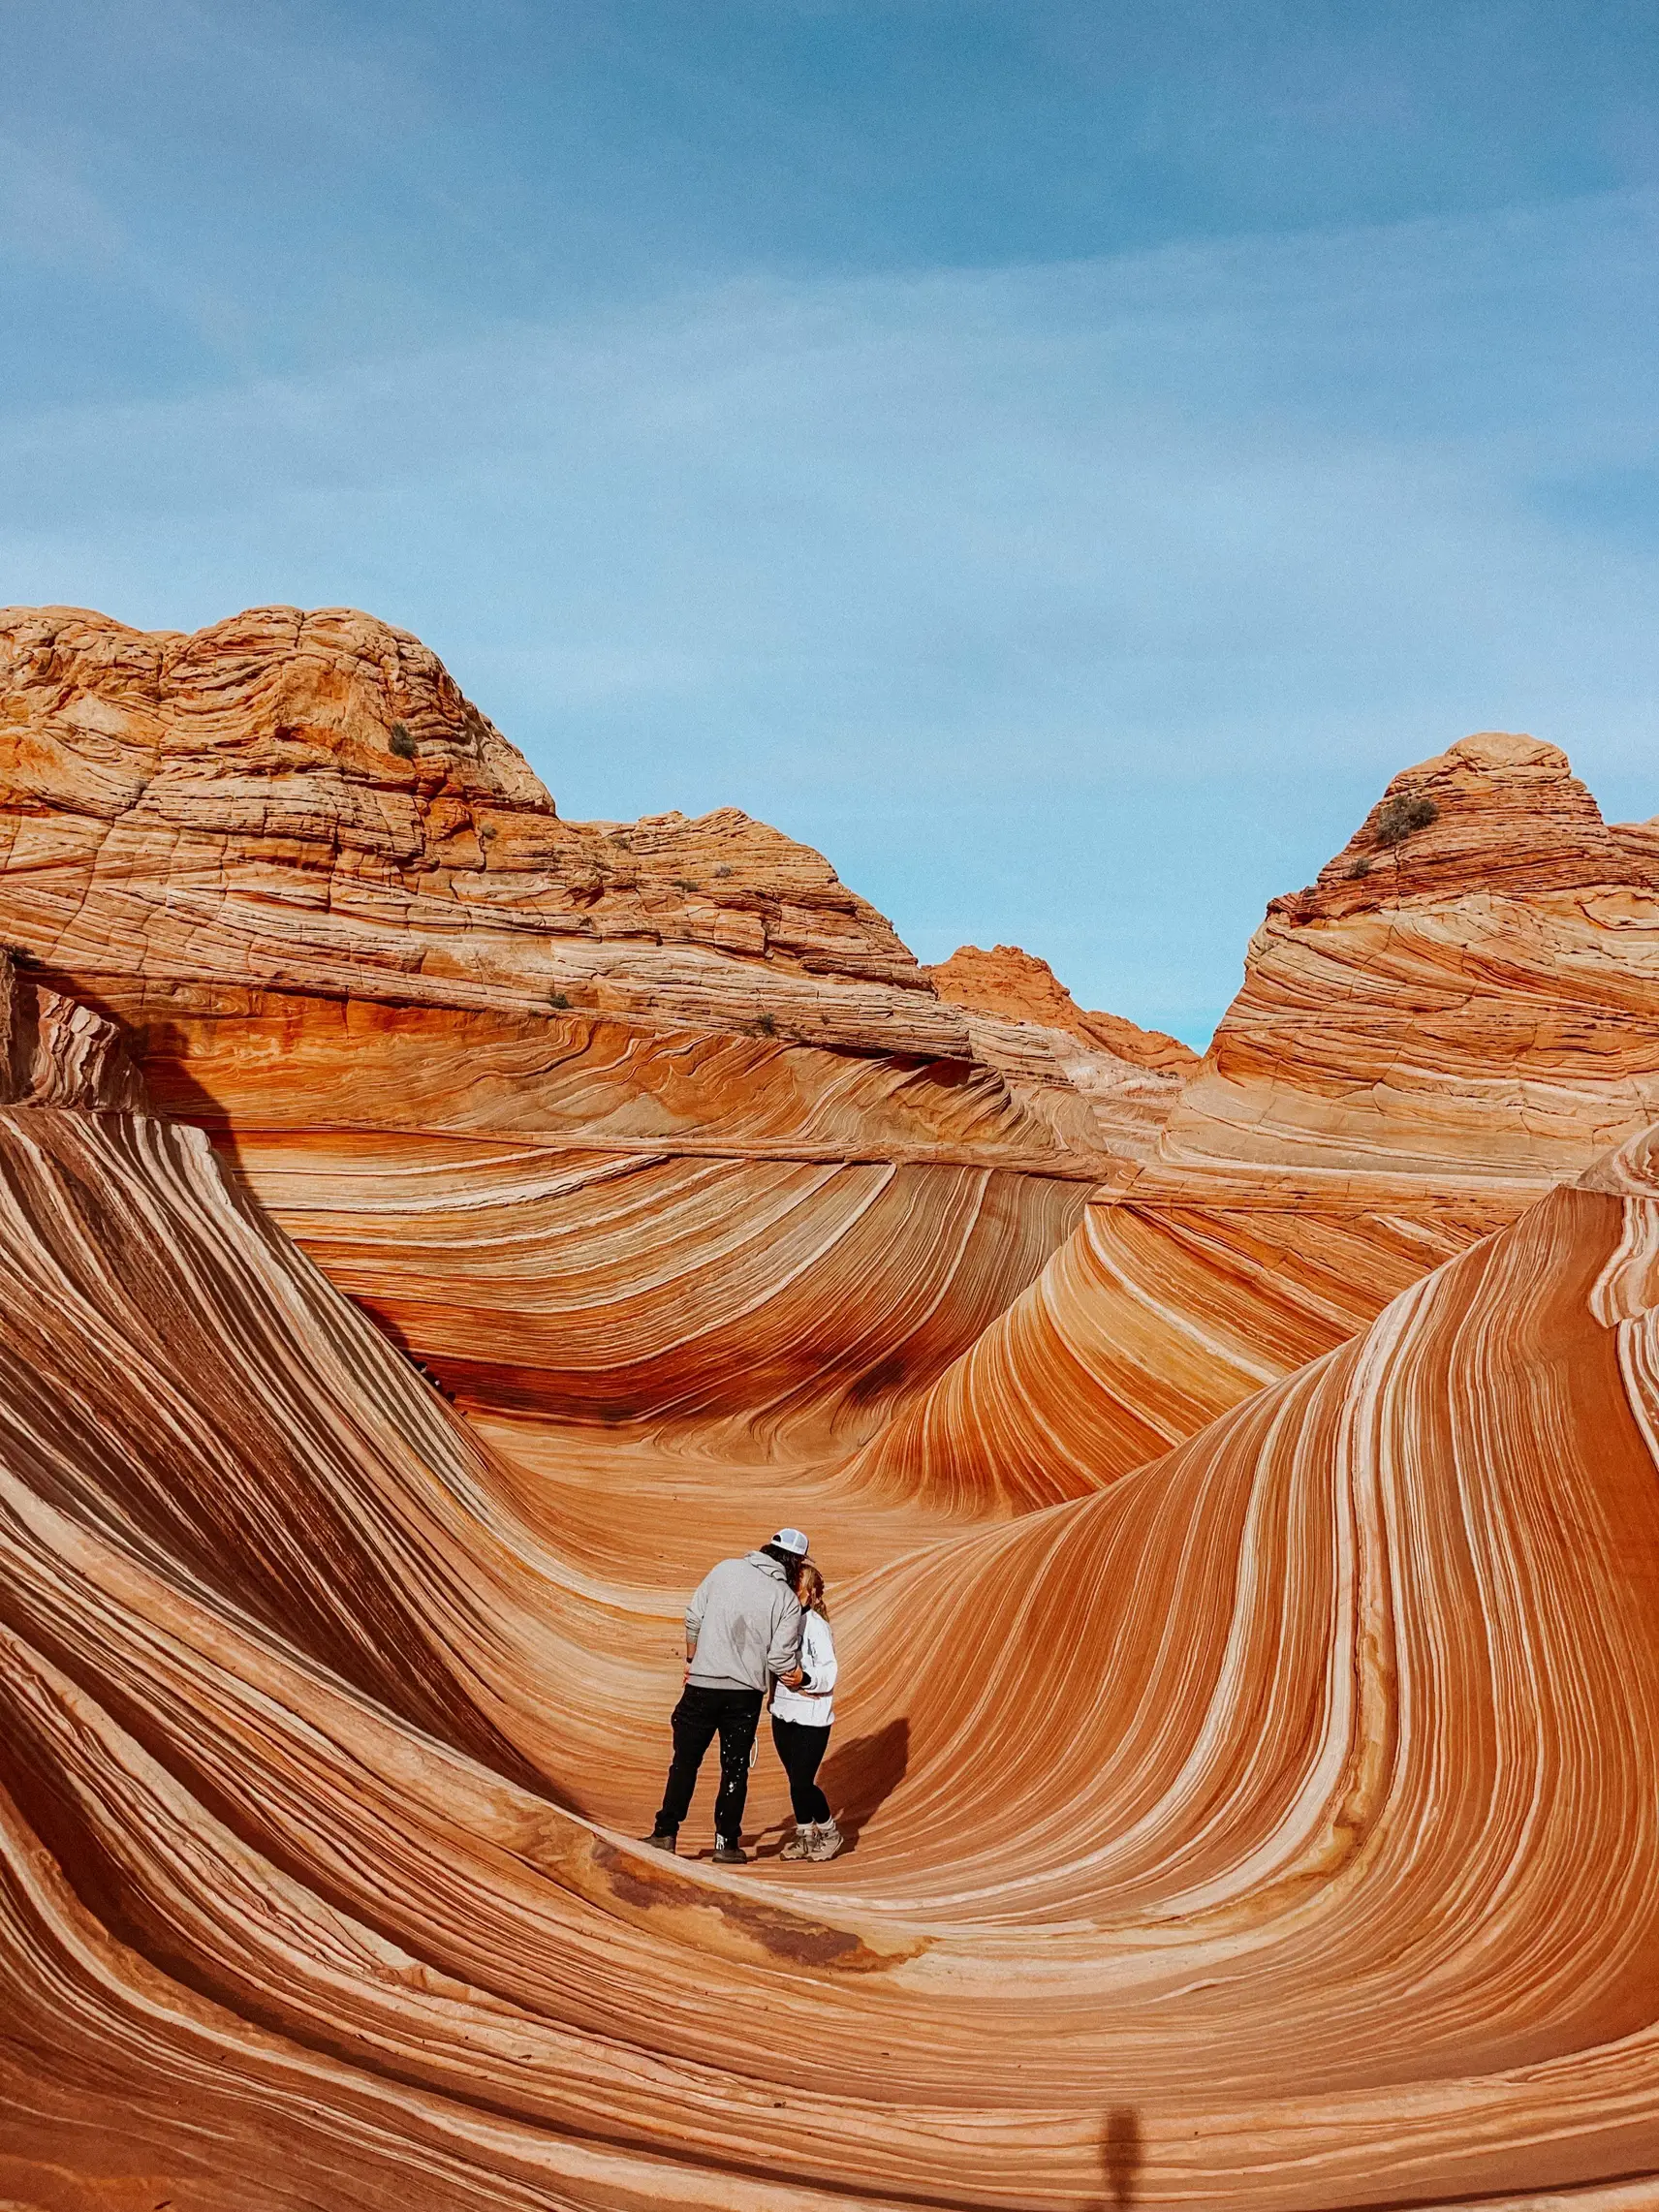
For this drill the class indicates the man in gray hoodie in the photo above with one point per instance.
(742, 1625)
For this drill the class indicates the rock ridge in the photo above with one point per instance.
(326, 812)
(1497, 813)
(1016, 985)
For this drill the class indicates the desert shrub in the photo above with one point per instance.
(764, 1025)
(1360, 867)
(1397, 817)
(560, 1000)
(400, 741)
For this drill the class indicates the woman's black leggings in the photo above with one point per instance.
(802, 1748)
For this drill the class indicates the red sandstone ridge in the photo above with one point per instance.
(1466, 1000)
(1287, 1808)
(638, 1122)
(1461, 1011)
(1017, 986)
(289, 813)
(1024, 1022)
(307, 801)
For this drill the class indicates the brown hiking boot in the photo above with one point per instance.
(827, 1841)
(729, 1853)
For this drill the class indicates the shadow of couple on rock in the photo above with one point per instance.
(858, 1777)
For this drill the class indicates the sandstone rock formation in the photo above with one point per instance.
(305, 802)
(1022, 1021)
(1464, 1008)
(1466, 1004)
(1261, 1822)
(1013, 985)
(1320, 1753)
(352, 937)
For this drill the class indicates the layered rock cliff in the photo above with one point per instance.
(351, 936)
(1286, 1807)
(1464, 1008)
(1463, 1000)
(1283, 1797)
(306, 802)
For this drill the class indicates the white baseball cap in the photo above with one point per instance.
(792, 1541)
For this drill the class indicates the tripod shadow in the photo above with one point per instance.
(1121, 2155)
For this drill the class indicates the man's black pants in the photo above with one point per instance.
(802, 1748)
(700, 1714)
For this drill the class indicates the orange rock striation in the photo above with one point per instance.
(1464, 1008)
(352, 938)
(1284, 1797)
(1287, 1806)
(1012, 985)
(55, 1051)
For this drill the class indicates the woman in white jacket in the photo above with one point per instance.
(801, 1719)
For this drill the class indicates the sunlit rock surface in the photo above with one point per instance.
(1265, 1820)
(1009, 985)
(1021, 1020)
(1274, 1828)
(729, 1118)
(1468, 1003)
(1461, 1010)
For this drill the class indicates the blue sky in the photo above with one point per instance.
(1060, 459)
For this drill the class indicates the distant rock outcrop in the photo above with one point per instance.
(1017, 986)
(1463, 1002)
(1024, 1021)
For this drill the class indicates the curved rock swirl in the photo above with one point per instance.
(653, 1123)
(1267, 1822)
(1289, 1807)
(1146, 1324)
(792, 1301)
(1457, 1015)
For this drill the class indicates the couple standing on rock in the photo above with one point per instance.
(755, 1622)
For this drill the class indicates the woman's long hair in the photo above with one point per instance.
(809, 1588)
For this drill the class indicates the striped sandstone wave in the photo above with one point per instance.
(652, 1123)
(1287, 1806)
(1461, 1011)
